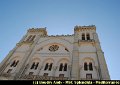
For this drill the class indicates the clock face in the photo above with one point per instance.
(53, 48)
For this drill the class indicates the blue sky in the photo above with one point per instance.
(60, 17)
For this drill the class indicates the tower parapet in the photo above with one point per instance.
(82, 28)
(38, 30)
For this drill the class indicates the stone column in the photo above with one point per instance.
(40, 68)
(80, 67)
(69, 71)
(97, 69)
(54, 70)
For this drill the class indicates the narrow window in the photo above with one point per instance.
(16, 63)
(32, 38)
(50, 66)
(88, 36)
(85, 66)
(66, 49)
(88, 76)
(9, 70)
(12, 63)
(46, 67)
(61, 75)
(90, 66)
(32, 67)
(61, 67)
(45, 74)
(83, 36)
(65, 67)
(28, 39)
(30, 73)
(36, 65)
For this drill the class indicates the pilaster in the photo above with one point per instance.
(75, 58)
(102, 66)
(26, 57)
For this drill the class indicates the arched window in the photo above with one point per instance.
(90, 66)
(85, 66)
(46, 66)
(61, 67)
(50, 66)
(32, 38)
(28, 39)
(9, 70)
(83, 36)
(31, 73)
(14, 64)
(88, 36)
(34, 65)
(65, 67)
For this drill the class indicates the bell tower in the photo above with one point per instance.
(88, 59)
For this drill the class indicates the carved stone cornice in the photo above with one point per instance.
(28, 77)
(6, 74)
(53, 54)
(38, 77)
(84, 28)
(25, 42)
(33, 30)
(61, 35)
(91, 40)
(86, 42)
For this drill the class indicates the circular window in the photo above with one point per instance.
(53, 48)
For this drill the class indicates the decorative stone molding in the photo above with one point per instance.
(54, 54)
(91, 40)
(86, 42)
(25, 42)
(61, 35)
(38, 77)
(55, 67)
(84, 28)
(6, 74)
(28, 77)
(69, 67)
(33, 30)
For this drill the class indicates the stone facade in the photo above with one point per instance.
(39, 56)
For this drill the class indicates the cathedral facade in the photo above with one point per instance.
(38, 56)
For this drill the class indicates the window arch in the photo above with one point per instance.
(34, 65)
(83, 36)
(90, 66)
(61, 67)
(88, 36)
(28, 39)
(14, 63)
(85, 66)
(65, 67)
(32, 38)
(48, 66)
